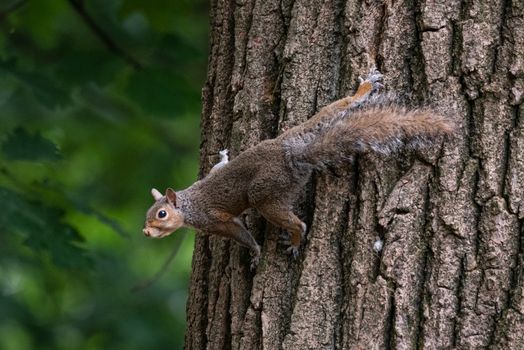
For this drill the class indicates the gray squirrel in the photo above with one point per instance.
(270, 175)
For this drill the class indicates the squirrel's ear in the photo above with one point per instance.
(156, 194)
(171, 196)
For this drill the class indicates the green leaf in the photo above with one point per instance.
(160, 92)
(20, 145)
(43, 229)
(44, 86)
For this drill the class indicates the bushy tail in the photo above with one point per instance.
(381, 129)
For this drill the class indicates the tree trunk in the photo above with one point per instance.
(450, 274)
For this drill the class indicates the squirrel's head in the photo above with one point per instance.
(164, 217)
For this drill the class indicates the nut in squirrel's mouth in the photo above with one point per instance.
(146, 232)
(154, 232)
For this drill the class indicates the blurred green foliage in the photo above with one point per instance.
(99, 102)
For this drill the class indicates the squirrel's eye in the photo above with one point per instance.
(162, 214)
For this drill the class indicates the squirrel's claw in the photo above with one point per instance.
(293, 251)
(255, 260)
(374, 77)
(255, 257)
(284, 238)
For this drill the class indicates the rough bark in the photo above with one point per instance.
(450, 274)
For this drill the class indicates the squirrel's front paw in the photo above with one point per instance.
(255, 257)
(255, 260)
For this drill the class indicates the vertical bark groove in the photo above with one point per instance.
(451, 272)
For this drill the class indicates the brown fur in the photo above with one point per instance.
(382, 130)
(270, 175)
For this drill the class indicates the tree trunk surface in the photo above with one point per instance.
(450, 274)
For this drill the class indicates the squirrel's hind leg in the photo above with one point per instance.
(282, 216)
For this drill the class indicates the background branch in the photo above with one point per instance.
(147, 283)
(106, 39)
(11, 8)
